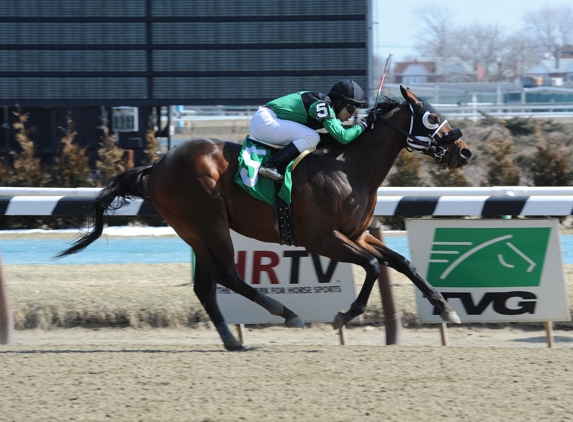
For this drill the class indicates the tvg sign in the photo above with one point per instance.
(491, 270)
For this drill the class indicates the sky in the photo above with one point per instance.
(392, 35)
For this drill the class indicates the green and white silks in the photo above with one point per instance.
(251, 158)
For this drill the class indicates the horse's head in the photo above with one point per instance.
(431, 134)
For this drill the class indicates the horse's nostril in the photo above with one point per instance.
(466, 153)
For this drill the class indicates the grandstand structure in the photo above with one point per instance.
(92, 57)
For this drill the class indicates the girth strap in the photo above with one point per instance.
(283, 218)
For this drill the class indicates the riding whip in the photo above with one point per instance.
(382, 82)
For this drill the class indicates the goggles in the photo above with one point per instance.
(351, 108)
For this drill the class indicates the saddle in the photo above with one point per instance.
(297, 159)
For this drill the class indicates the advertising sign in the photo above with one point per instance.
(314, 287)
(491, 270)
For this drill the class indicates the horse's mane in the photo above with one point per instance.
(387, 104)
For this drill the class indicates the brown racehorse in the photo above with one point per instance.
(333, 200)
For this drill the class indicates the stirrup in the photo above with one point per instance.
(271, 173)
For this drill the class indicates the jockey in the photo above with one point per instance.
(292, 121)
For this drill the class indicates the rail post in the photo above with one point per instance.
(392, 316)
(6, 317)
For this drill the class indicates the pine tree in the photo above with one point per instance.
(500, 168)
(111, 159)
(550, 163)
(26, 169)
(152, 150)
(407, 171)
(6, 172)
(441, 176)
(72, 167)
(519, 126)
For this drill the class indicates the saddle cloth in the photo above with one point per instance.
(252, 156)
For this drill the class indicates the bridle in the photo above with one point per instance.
(421, 135)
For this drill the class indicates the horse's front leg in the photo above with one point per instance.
(338, 247)
(388, 257)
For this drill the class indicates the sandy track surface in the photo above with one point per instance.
(490, 373)
(159, 374)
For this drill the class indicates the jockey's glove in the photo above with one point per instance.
(368, 122)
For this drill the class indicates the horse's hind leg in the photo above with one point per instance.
(214, 250)
(226, 274)
(205, 288)
(276, 308)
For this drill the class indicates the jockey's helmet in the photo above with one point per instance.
(347, 91)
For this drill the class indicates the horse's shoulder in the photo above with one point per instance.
(326, 139)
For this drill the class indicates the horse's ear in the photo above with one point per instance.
(409, 95)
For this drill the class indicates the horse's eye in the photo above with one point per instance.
(431, 120)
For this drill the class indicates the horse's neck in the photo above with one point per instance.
(378, 150)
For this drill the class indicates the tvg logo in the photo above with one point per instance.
(488, 257)
(526, 304)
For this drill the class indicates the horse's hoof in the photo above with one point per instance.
(233, 346)
(294, 322)
(450, 316)
(339, 321)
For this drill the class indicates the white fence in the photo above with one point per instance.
(383, 191)
(406, 202)
(469, 110)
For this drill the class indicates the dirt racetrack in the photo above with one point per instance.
(161, 374)
(182, 373)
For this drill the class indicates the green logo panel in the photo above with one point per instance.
(496, 257)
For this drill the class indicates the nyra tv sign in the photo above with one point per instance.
(314, 287)
(491, 270)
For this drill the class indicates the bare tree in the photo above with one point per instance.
(519, 53)
(551, 28)
(483, 45)
(437, 34)
(501, 56)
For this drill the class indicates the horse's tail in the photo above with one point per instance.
(125, 186)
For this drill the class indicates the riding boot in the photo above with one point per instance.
(279, 161)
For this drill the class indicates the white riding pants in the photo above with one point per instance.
(267, 127)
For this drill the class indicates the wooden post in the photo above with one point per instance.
(342, 335)
(242, 334)
(6, 317)
(392, 316)
(444, 334)
(549, 333)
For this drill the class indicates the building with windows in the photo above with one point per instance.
(85, 57)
